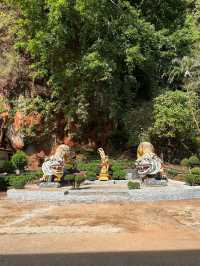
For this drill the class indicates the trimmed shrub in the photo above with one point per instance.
(75, 180)
(185, 162)
(192, 179)
(3, 183)
(79, 180)
(172, 172)
(30, 176)
(17, 182)
(133, 185)
(8, 167)
(19, 160)
(194, 160)
(195, 170)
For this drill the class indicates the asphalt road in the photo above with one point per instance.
(149, 258)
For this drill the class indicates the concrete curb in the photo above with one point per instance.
(175, 191)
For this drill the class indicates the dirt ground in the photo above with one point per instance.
(32, 227)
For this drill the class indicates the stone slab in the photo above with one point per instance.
(49, 185)
(155, 182)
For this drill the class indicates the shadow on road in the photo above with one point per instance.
(143, 258)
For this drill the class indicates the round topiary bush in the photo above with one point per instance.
(19, 160)
(185, 162)
(133, 185)
(194, 160)
(195, 170)
(17, 182)
(192, 179)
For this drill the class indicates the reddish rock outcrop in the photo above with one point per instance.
(20, 120)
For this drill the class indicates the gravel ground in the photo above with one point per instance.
(175, 190)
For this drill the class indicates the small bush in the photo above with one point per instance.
(172, 172)
(30, 176)
(3, 183)
(75, 180)
(195, 170)
(192, 179)
(133, 185)
(79, 180)
(19, 160)
(194, 160)
(185, 162)
(8, 167)
(17, 182)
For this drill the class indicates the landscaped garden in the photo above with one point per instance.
(14, 173)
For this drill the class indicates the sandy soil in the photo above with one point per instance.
(30, 227)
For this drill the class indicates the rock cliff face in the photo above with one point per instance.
(28, 119)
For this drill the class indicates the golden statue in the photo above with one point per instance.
(104, 172)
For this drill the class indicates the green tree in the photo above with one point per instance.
(98, 57)
(173, 125)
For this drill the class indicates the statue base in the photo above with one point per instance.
(49, 185)
(103, 177)
(153, 182)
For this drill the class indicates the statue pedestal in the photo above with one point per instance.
(103, 177)
(49, 185)
(152, 182)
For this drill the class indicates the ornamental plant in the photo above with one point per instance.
(19, 160)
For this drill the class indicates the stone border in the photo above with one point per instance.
(175, 190)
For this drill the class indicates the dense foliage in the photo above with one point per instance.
(102, 62)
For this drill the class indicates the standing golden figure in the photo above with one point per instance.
(104, 172)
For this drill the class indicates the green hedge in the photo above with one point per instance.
(17, 182)
(33, 175)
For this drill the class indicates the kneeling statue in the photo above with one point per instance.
(148, 164)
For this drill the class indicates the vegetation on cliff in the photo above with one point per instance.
(93, 68)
